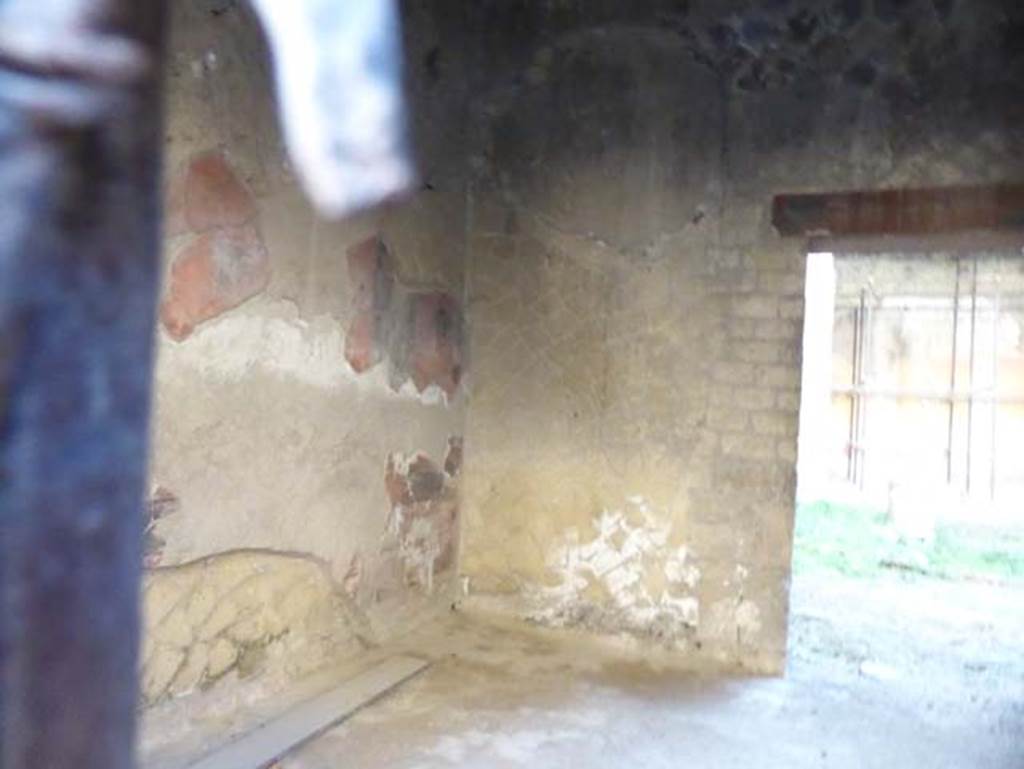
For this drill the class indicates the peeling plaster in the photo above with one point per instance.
(645, 582)
(278, 613)
(419, 550)
(270, 336)
(262, 431)
(422, 523)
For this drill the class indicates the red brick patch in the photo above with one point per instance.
(214, 273)
(420, 333)
(367, 267)
(361, 343)
(373, 279)
(214, 195)
(225, 261)
(436, 357)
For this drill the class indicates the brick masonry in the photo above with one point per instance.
(636, 316)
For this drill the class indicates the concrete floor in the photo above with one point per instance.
(889, 674)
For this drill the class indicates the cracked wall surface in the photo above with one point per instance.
(635, 322)
(277, 427)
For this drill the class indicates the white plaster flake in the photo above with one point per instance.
(619, 560)
(420, 549)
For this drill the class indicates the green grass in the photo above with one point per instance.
(861, 542)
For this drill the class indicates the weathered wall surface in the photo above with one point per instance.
(636, 323)
(310, 398)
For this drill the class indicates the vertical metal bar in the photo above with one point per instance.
(79, 266)
(862, 402)
(970, 373)
(952, 377)
(995, 389)
(851, 462)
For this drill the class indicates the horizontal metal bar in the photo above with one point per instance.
(864, 448)
(978, 396)
(851, 303)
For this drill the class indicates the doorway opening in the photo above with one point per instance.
(908, 565)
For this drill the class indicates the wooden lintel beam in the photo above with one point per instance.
(901, 212)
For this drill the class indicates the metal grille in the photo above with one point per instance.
(928, 372)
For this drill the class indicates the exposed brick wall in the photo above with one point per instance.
(637, 320)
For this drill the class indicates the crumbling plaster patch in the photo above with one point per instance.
(627, 578)
(424, 513)
(269, 441)
(631, 306)
(242, 613)
(418, 332)
(271, 337)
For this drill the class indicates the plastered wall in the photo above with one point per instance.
(310, 387)
(567, 370)
(635, 321)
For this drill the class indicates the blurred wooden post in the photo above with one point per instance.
(80, 130)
